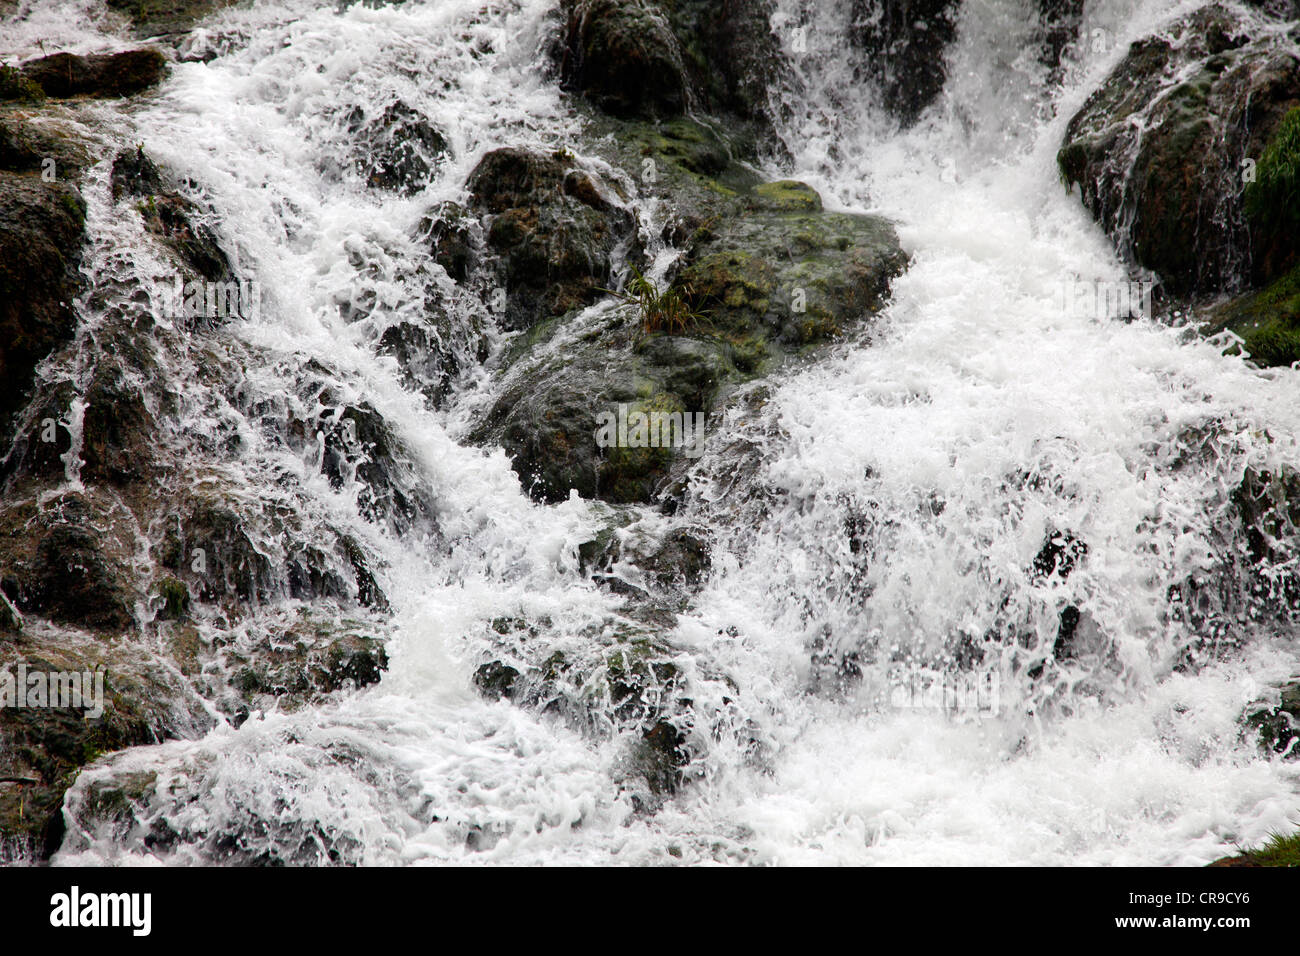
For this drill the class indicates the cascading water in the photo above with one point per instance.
(937, 497)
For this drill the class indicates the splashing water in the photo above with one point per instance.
(889, 518)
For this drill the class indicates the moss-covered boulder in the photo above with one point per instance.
(1268, 321)
(1160, 153)
(765, 273)
(61, 75)
(787, 273)
(555, 230)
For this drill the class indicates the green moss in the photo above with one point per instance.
(789, 195)
(16, 85)
(1273, 199)
(1268, 321)
(629, 473)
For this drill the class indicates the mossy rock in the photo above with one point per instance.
(789, 195)
(1272, 205)
(553, 230)
(1159, 151)
(16, 85)
(1268, 321)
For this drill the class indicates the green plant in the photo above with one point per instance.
(16, 85)
(1272, 201)
(668, 311)
(1278, 851)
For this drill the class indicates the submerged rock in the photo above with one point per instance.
(400, 149)
(169, 215)
(1277, 727)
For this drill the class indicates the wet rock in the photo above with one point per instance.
(68, 560)
(1061, 20)
(16, 85)
(496, 680)
(61, 75)
(766, 273)
(400, 149)
(46, 746)
(1268, 321)
(1159, 153)
(732, 57)
(169, 215)
(785, 272)
(903, 42)
(357, 448)
(449, 230)
(625, 57)
(301, 664)
(41, 232)
(556, 232)
(1269, 506)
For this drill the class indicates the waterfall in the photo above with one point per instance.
(977, 593)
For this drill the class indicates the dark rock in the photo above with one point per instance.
(169, 215)
(67, 562)
(41, 232)
(732, 56)
(554, 230)
(62, 75)
(495, 679)
(449, 231)
(1061, 20)
(1269, 507)
(624, 56)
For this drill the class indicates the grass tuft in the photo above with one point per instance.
(667, 311)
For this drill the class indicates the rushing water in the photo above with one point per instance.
(975, 419)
